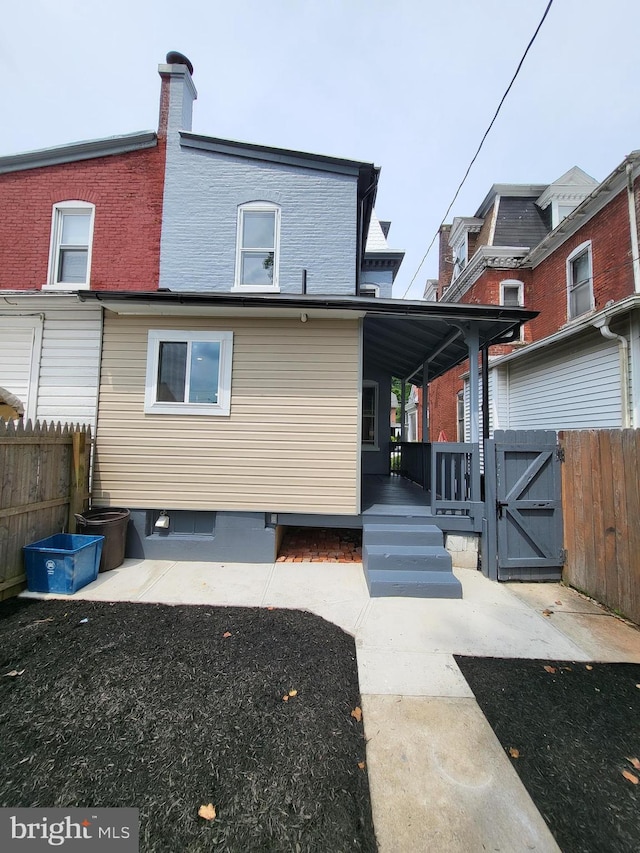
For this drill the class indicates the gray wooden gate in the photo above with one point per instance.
(523, 520)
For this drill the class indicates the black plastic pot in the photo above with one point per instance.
(112, 524)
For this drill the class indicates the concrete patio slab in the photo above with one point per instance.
(447, 785)
(554, 596)
(463, 627)
(225, 585)
(335, 591)
(128, 582)
(410, 674)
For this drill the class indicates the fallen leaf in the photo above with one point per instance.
(270, 608)
(567, 668)
(293, 693)
(547, 612)
(513, 752)
(550, 669)
(226, 634)
(208, 812)
(357, 714)
(13, 673)
(631, 777)
(285, 698)
(558, 602)
(361, 765)
(635, 762)
(588, 666)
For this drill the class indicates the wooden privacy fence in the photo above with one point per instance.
(601, 507)
(44, 481)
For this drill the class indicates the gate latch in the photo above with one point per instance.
(499, 505)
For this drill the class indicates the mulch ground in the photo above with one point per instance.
(166, 709)
(572, 732)
(320, 545)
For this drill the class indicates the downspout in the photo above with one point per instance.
(623, 351)
(633, 228)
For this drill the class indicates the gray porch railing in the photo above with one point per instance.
(455, 478)
(412, 459)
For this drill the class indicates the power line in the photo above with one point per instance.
(475, 156)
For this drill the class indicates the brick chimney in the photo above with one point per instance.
(177, 94)
(445, 264)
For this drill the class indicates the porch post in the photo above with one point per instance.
(473, 340)
(403, 394)
(485, 392)
(425, 408)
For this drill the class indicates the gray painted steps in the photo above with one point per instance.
(405, 556)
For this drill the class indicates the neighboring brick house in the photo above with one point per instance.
(568, 251)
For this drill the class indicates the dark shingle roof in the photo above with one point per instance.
(520, 223)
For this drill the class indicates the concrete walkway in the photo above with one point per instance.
(440, 781)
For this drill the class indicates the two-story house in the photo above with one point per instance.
(568, 250)
(245, 355)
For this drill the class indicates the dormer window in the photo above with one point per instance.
(460, 251)
(71, 239)
(459, 241)
(257, 252)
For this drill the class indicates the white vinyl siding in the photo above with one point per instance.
(65, 384)
(574, 387)
(290, 444)
(20, 340)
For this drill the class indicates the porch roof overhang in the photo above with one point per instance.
(399, 335)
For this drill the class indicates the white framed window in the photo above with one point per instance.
(369, 415)
(371, 291)
(71, 241)
(580, 281)
(188, 373)
(460, 256)
(512, 296)
(258, 246)
(460, 416)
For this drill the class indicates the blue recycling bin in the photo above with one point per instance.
(63, 563)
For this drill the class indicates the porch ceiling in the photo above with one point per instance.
(401, 345)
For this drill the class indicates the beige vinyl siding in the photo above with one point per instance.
(290, 443)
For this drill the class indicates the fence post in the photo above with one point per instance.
(78, 478)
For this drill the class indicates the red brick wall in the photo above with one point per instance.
(443, 394)
(127, 192)
(608, 231)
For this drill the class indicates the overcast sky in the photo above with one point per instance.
(408, 85)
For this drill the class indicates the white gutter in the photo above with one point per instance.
(602, 323)
(633, 228)
(626, 304)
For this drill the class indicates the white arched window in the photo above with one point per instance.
(70, 251)
(258, 246)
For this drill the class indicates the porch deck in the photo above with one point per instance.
(393, 495)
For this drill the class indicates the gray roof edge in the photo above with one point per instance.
(511, 191)
(591, 205)
(571, 330)
(285, 156)
(74, 151)
(399, 307)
